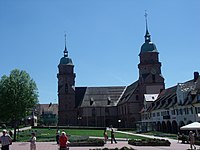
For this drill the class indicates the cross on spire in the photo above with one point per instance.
(147, 35)
(65, 51)
(145, 15)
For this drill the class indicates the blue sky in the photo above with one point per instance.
(103, 39)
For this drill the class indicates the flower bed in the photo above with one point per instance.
(123, 148)
(149, 142)
(88, 142)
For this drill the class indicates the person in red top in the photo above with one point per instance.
(63, 141)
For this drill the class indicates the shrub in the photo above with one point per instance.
(3, 126)
(149, 142)
(88, 142)
(123, 148)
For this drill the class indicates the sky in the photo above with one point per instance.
(104, 38)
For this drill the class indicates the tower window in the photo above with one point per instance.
(153, 78)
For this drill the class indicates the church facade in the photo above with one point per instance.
(119, 106)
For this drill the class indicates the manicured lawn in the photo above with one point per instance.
(74, 134)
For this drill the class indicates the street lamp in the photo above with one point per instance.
(119, 121)
(79, 120)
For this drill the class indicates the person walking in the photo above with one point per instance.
(5, 140)
(57, 136)
(192, 139)
(113, 136)
(105, 136)
(10, 133)
(33, 141)
(178, 136)
(63, 141)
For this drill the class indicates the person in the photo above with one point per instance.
(33, 141)
(192, 139)
(105, 136)
(57, 136)
(113, 136)
(63, 141)
(5, 140)
(10, 133)
(178, 136)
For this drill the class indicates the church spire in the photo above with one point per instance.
(65, 51)
(147, 35)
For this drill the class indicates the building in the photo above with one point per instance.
(175, 107)
(47, 114)
(119, 106)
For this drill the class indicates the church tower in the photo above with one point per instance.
(151, 80)
(66, 90)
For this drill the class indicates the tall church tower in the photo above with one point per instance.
(66, 91)
(151, 80)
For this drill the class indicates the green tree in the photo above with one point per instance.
(18, 95)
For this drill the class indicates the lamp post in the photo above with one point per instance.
(87, 115)
(79, 120)
(119, 122)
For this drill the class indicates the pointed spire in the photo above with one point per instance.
(65, 51)
(147, 35)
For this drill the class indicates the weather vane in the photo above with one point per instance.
(146, 15)
(65, 51)
(65, 37)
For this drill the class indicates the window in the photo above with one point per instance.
(173, 112)
(181, 111)
(184, 110)
(153, 78)
(191, 109)
(196, 110)
(177, 112)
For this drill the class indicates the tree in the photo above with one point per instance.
(18, 95)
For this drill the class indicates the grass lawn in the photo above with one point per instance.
(74, 134)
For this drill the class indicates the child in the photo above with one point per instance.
(33, 142)
(105, 136)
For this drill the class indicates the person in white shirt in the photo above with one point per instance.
(5, 140)
(33, 142)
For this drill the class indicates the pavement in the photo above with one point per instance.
(120, 143)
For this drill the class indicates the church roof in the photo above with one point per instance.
(168, 97)
(128, 92)
(164, 99)
(99, 96)
(47, 108)
(66, 61)
(148, 47)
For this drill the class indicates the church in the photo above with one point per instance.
(119, 106)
